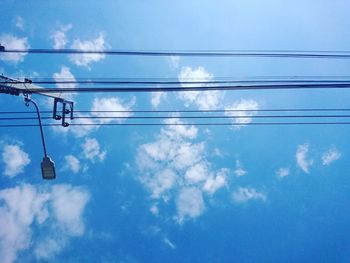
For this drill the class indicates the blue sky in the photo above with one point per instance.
(181, 193)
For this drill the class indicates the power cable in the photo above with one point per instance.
(191, 111)
(193, 53)
(184, 117)
(180, 124)
(187, 82)
(341, 85)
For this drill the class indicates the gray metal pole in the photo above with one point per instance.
(27, 100)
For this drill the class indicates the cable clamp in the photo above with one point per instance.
(64, 112)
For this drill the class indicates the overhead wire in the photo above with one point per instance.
(186, 82)
(183, 117)
(193, 53)
(192, 111)
(272, 86)
(180, 124)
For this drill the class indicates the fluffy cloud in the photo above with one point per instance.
(15, 159)
(55, 212)
(97, 44)
(282, 172)
(174, 168)
(214, 183)
(204, 100)
(301, 157)
(190, 203)
(112, 104)
(243, 108)
(160, 182)
(156, 98)
(68, 204)
(245, 194)
(48, 248)
(73, 163)
(59, 37)
(330, 156)
(65, 74)
(13, 42)
(19, 22)
(92, 150)
(239, 171)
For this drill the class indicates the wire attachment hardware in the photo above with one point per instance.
(64, 111)
(27, 98)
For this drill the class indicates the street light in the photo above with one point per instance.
(47, 165)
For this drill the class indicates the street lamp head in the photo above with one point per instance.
(48, 168)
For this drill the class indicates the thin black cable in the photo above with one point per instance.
(194, 53)
(189, 111)
(181, 124)
(37, 80)
(187, 82)
(185, 117)
(345, 85)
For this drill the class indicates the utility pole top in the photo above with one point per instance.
(16, 87)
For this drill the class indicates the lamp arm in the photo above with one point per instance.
(27, 99)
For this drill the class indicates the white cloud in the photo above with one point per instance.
(189, 203)
(20, 207)
(13, 42)
(172, 168)
(188, 155)
(48, 248)
(245, 194)
(65, 75)
(301, 158)
(19, 22)
(197, 173)
(160, 182)
(214, 183)
(68, 204)
(239, 108)
(204, 100)
(239, 171)
(73, 163)
(53, 212)
(154, 209)
(112, 104)
(282, 172)
(218, 153)
(59, 37)
(330, 156)
(15, 159)
(97, 44)
(92, 150)
(169, 243)
(178, 130)
(156, 98)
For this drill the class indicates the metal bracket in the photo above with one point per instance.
(27, 97)
(64, 111)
